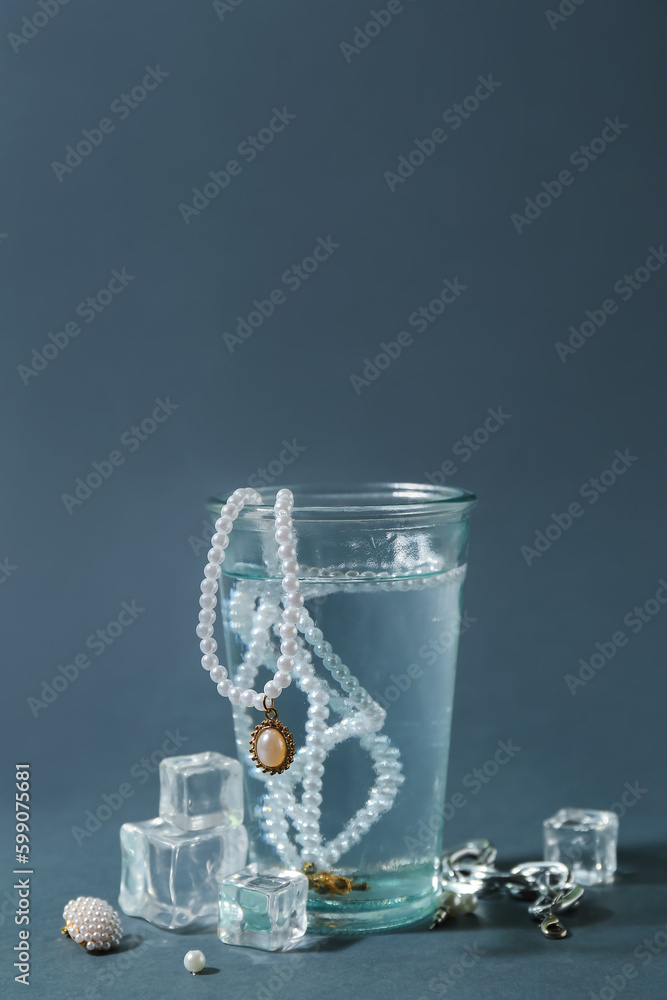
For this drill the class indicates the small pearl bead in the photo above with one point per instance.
(224, 524)
(290, 566)
(218, 674)
(211, 571)
(215, 555)
(209, 660)
(194, 961)
(207, 601)
(234, 695)
(204, 631)
(294, 600)
(282, 680)
(224, 687)
(285, 664)
(208, 645)
(469, 903)
(319, 712)
(290, 583)
(283, 535)
(290, 615)
(271, 689)
(208, 586)
(286, 631)
(288, 647)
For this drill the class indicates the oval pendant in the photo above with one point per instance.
(272, 744)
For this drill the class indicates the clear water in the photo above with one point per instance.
(399, 638)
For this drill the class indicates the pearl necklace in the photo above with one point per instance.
(255, 616)
(292, 601)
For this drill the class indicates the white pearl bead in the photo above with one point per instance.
(248, 698)
(204, 631)
(290, 615)
(211, 571)
(208, 586)
(283, 535)
(293, 600)
(223, 525)
(209, 660)
(258, 701)
(234, 695)
(206, 616)
(311, 799)
(271, 689)
(282, 680)
(285, 664)
(224, 687)
(194, 961)
(290, 566)
(208, 645)
(207, 601)
(215, 555)
(218, 674)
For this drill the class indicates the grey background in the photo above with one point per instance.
(135, 537)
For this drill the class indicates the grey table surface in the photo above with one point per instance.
(560, 327)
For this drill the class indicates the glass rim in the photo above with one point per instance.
(401, 499)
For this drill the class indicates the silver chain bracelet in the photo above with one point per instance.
(469, 871)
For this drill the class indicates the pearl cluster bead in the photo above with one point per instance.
(292, 600)
(92, 922)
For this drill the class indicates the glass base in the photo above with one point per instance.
(353, 914)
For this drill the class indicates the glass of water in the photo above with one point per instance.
(381, 570)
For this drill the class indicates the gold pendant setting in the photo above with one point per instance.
(271, 744)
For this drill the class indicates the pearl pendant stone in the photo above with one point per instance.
(271, 748)
(272, 745)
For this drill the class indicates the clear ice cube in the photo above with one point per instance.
(263, 907)
(201, 790)
(170, 877)
(585, 839)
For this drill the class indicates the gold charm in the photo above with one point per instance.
(326, 883)
(271, 744)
